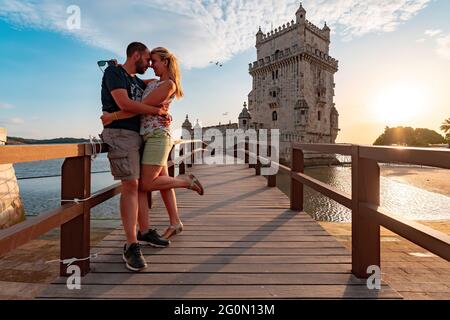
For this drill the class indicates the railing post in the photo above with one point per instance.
(75, 234)
(182, 166)
(250, 164)
(258, 162)
(171, 169)
(272, 179)
(246, 152)
(296, 186)
(365, 230)
(192, 156)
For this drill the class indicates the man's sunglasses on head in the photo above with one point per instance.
(103, 63)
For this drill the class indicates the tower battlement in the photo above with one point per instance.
(290, 26)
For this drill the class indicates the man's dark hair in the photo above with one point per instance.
(135, 46)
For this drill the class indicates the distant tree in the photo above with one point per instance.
(407, 136)
(446, 128)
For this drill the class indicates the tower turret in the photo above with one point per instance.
(244, 118)
(259, 36)
(187, 124)
(301, 14)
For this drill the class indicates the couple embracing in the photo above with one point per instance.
(137, 131)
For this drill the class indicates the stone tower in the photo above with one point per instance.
(293, 84)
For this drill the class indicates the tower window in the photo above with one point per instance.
(319, 114)
(244, 122)
(274, 116)
(302, 112)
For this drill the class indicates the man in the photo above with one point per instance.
(122, 90)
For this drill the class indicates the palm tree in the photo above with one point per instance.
(446, 128)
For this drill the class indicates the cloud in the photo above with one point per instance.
(4, 105)
(421, 40)
(200, 31)
(12, 121)
(432, 33)
(443, 46)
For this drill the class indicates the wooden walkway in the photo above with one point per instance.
(240, 242)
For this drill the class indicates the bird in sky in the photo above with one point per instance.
(217, 63)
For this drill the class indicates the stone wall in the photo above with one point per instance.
(11, 207)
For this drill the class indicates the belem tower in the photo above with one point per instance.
(293, 84)
(293, 88)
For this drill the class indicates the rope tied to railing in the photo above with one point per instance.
(94, 141)
(69, 262)
(75, 200)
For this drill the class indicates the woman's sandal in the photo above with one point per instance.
(173, 230)
(194, 181)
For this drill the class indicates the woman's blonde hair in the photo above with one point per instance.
(174, 68)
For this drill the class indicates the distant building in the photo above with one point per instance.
(293, 84)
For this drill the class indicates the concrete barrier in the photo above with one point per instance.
(11, 207)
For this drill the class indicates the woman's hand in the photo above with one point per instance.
(107, 118)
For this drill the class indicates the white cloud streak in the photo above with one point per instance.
(200, 31)
(12, 121)
(4, 105)
(432, 33)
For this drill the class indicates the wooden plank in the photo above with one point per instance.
(32, 228)
(208, 233)
(228, 251)
(266, 268)
(214, 238)
(221, 292)
(434, 241)
(237, 259)
(29, 153)
(439, 158)
(335, 148)
(323, 188)
(237, 244)
(218, 279)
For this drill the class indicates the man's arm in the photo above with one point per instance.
(128, 105)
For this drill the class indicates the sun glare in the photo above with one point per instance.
(399, 104)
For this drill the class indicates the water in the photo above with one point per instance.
(408, 201)
(42, 194)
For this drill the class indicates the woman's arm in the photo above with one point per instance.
(161, 94)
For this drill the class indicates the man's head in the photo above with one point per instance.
(139, 56)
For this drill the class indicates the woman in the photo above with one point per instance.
(158, 141)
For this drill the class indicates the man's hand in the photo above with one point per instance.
(106, 118)
(164, 108)
(167, 120)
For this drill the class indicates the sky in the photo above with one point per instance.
(394, 59)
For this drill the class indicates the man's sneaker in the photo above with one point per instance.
(133, 258)
(152, 238)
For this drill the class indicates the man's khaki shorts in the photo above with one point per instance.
(124, 153)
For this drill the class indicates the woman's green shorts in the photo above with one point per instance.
(157, 147)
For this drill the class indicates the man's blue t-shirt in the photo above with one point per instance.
(117, 78)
